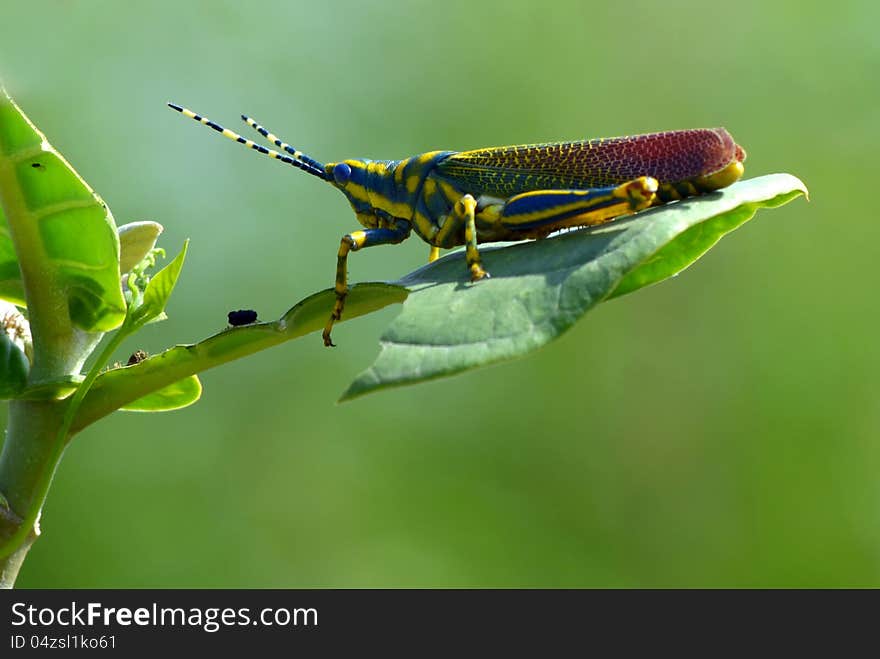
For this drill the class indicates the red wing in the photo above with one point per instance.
(669, 157)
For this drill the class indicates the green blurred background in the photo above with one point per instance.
(720, 429)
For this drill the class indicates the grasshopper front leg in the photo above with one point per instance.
(352, 242)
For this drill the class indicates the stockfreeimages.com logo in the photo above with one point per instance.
(211, 619)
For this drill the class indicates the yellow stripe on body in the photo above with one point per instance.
(598, 216)
(394, 208)
(425, 158)
(424, 226)
(357, 191)
(379, 200)
(448, 191)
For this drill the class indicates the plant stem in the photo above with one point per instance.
(28, 461)
(10, 565)
(38, 432)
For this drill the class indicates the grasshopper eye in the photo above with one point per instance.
(341, 173)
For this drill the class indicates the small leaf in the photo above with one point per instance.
(540, 288)
(136, 239)
(11, 287)
(65, 245)
(175, 396)
(14, 367)
(158, 292)
(56, 389)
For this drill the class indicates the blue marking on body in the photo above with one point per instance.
(384, 184)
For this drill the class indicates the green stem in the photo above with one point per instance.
(10, 565)
(38, 433)
(33, 448)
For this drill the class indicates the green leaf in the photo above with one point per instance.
(539, 289)
(14, 367)
(65, 251)
(11, 288)
(136, 239)
(691, 244)
(120, 387)
(173, 397)
(157, 293)
(55, 389)
(144, 308)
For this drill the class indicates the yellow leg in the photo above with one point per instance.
(434, 254)
(462, 215)
(472, 255)
(355, 241)
(639, 193)
(539, 213)
(727, 176)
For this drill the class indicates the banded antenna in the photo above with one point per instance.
(298, 160)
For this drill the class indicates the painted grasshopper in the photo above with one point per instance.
(519, 192)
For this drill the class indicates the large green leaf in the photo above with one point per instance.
(58, 243)
(539, 289)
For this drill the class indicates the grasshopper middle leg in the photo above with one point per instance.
(462, 217)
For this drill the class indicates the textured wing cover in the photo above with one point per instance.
(670, 157)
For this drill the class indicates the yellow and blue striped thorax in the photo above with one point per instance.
(381, 191)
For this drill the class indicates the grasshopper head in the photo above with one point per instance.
(350, 176)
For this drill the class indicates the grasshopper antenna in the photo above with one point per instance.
(299, 161)
(298, 155)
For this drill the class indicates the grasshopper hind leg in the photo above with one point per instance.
(537, 214)
(541, 212)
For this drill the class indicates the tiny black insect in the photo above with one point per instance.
(137, 357)
(242, 317)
